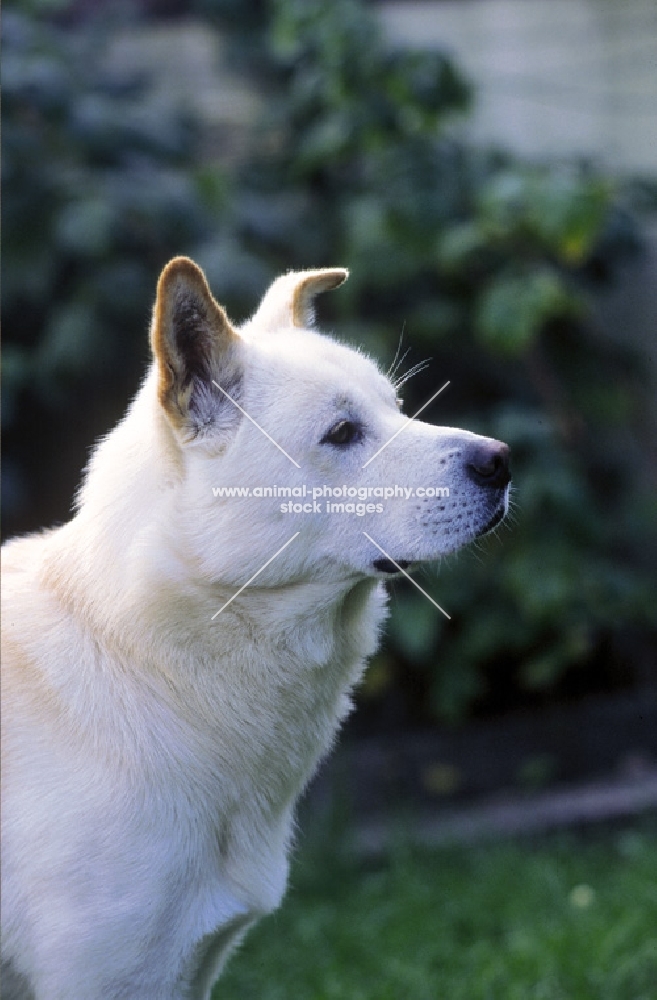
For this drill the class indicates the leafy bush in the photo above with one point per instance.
(486, 262)
(99, 192)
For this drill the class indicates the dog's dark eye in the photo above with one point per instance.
(343, 433)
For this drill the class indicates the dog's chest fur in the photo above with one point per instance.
(188, 757)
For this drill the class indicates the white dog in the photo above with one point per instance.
(176, 662)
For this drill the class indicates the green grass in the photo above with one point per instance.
(561, 919)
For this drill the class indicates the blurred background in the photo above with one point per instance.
(487, 169)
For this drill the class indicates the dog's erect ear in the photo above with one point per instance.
(193, 344)
(289, 300)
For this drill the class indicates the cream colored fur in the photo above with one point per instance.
(153, 754)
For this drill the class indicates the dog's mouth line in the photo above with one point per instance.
(388, 566)
(494, 521)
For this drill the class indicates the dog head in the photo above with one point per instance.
(308, 436)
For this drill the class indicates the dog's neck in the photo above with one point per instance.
(262, 688)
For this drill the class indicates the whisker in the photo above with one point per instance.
(395, 362)
(419, 367)
(398, 365)
(476, 552)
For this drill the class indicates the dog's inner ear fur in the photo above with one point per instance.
(194, 344)
(290, 299)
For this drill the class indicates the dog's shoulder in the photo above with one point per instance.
(20, 555)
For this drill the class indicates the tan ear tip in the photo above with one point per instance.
(341, 274)
(180, 267)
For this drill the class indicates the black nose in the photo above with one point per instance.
(487, 463)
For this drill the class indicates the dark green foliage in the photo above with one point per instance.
(486, 263)
(101, 187)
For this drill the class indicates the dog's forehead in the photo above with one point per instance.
(324, 364)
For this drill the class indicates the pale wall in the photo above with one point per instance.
(552, 77)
